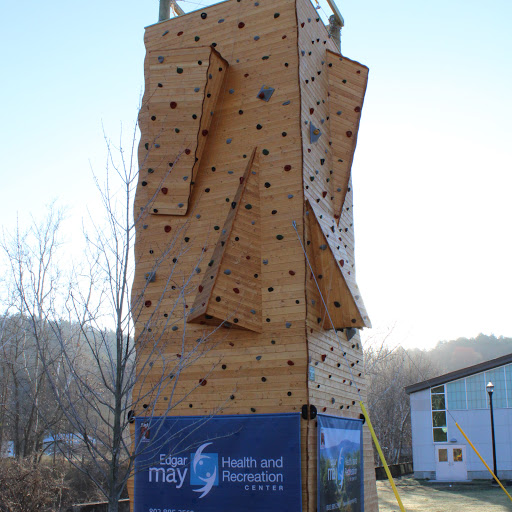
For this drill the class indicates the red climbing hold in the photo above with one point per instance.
(236, 290)
(324, 357)
(291, 272)
(246, 75)
(349, 134)
(357, 109)
(200, 288)
(241, 24)
(342, 262)
(187, 151)
(324, 193)
(287, 168)
(147, 303)
(180, 33)
(290, 363)
(167, 229)
(241, 179)
(202, 382)
(205, 133)
(311, 110)
(173, 104)
(165, 190)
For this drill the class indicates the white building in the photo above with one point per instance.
(439, 449)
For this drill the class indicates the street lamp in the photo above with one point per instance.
(490, 390)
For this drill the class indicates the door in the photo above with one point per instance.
(451, 463)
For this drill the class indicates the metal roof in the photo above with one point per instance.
(459, 374)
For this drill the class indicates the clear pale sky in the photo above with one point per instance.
(433, 167)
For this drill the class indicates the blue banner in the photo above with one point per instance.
(221, 463)
(340, 464)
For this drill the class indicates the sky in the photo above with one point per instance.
(433, 166)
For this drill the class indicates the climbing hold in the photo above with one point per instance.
(167, 229)
(357, 109)
(196, 38)
(349, 134)
(314, 133)
(147, 303)
(179, 71)
(288, 325)
(227, 272)
(228, 141)
(265, 152)
(337, 304)
(290, 363)
(160, 59)
(236, 290)
(291, 272)
(204, 133)
(248, 207)
(241, 24)
(204, 15)
(276, 15)
(279, 237)
(150, 277)
(324, 357)
(265, 92)
(256, 38)
(287, 168)
(202, 382)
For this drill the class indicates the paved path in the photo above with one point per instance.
(421, 496)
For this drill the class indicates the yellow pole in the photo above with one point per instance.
(485, 464)
(382, 458)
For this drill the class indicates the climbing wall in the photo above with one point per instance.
(245, 159)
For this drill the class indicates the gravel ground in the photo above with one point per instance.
(424, 496)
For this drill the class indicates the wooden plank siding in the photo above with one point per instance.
(232, 250)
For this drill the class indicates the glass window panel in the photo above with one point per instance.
(438, 402)
(440, 435)
(443, 454)
(477, 395)
(456, 394)
(497, 377)
(439, 419)
(508, 379)
(438, 389)
(457, 454)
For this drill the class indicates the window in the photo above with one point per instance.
(508, 383)
(443, 454)
(439, 428)
(497, 377)
(456, 394)
(475, 386)
(457, 454)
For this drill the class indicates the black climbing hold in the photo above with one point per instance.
(179, 71)
(204, 15)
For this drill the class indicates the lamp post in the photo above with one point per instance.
(490, 390)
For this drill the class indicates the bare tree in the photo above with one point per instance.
(100, 369)
(389, 370)
(29, 407)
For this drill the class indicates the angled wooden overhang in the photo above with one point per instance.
(334, 272)
(347, 87)
(185, 85)
(230, 292)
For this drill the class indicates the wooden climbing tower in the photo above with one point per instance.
(249, 124)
